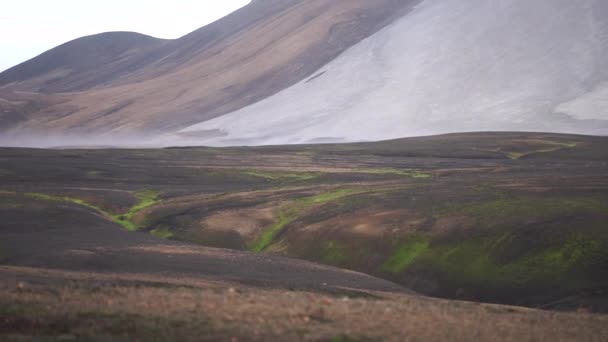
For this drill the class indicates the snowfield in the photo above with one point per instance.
(447, 66)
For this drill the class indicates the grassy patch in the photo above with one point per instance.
(334, 253)
(262, 242)
(94, 174)
(473, 261)
(289, 214)
(406, 254)
(51, 198)
(551, 146)
(284, 177)
(524, 148)
(513, 257)
(513, 208)
(476, 261)
(162, 233)
(325, 197)
(516, 155)
(147, 198)
(401, 172)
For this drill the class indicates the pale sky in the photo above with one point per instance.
(30, 27)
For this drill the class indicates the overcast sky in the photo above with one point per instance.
(30, 27)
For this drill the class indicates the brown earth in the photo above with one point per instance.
(53, 305)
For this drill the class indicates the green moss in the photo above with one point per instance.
(162, 233)
(51, 198)
(507, 209)
(264, 241)
(401, 172)
(516, 155)
(291, 212)
(325, 197)
(522, 151)
(279, 176)
(475, 261)
(553, 263)
(147, 198)
(552, 146)
(333, 253)
(406, 254)
(93, 174)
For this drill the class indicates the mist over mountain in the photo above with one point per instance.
(448, 66)
(296, 71)
(169, 85)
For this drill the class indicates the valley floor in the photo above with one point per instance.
(255, 243)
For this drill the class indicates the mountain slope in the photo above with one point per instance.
(243, 58)
(447, 66)
(76, 65)
(296, 71)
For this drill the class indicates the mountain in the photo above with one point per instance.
(157, 86)
(82, 63)
(447, 66)
(297, 71)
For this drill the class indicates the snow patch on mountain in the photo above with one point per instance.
(447, 66)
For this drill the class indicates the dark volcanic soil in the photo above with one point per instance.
(70, 238)
(516, 218)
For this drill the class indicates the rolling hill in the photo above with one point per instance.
(197, 243)
(511, 218)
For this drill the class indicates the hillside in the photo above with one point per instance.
(165, 86)
(448, 66)
(82, 63)
(123, 244)
(105, 244)
(277, 72)
(512, 218)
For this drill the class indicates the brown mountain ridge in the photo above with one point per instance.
(125, 84)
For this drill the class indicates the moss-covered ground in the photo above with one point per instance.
(145, 199)
(290, 213)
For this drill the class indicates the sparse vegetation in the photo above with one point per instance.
(262, 242)
(147, 198)
(334, 253)
(459, 219)
(401, 172)
(290, 213)
(66, 199)
(506, 209)
(406, 254)
(481, 263)
(162, 233)
(284, 177)
(524, 148)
